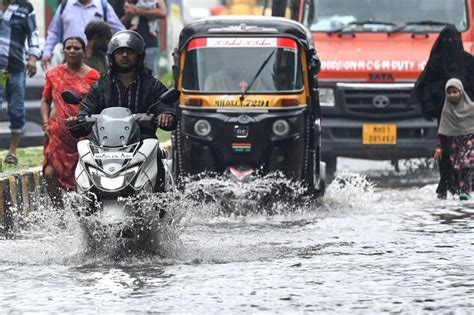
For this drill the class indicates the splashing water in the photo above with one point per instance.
(268, 195)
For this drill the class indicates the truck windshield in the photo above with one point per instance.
(387, 15)
(229, 65)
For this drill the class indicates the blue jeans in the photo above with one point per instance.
(15, 96)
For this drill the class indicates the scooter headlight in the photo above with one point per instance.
(202, 128)
(281, 128)
(107, 182)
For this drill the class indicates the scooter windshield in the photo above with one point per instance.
(115, 127)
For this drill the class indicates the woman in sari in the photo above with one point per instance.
(60, 151)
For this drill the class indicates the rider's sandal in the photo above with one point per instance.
(11, 159)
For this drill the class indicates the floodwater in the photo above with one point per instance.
(369, 246)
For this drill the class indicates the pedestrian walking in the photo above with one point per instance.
(17, 23)
(457, 124)
(98, 35)
(70, 20)
(448, 59)
(145, 15)
(60, 148)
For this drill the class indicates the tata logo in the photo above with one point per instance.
(380, 101)
(381, 77)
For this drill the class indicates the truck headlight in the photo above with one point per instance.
(326, 97)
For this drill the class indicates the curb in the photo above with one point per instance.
(19, 195)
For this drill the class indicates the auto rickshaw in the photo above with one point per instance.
(249, 100)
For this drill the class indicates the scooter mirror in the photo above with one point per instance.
(170, 96)
(71, 97)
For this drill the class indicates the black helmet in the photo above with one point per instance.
(128, 39)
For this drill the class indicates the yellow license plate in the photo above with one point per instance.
(379, 134)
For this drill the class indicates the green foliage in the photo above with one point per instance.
(27, 158)
(167, 79)
(163, 136)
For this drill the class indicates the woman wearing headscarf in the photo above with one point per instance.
(457, 124)
(448, 59)
(60, 148)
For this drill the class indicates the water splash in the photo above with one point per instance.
(350, 192)
(267, 195)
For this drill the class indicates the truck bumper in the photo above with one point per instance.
(416, 138)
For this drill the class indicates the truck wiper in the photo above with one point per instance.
(361, 23)
(256, 76)
(425, 22)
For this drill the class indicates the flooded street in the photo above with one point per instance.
(368, 246)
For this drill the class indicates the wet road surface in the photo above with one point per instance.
(367, 247)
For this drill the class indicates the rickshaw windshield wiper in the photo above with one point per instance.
(361, 23)
(256, 76)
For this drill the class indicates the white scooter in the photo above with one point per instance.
(116, 174)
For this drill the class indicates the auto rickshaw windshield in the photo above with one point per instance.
(229, 65)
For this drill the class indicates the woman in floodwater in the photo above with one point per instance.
(457, 124)
(448, 59)
(60, 151)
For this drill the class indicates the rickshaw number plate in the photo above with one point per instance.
(241, 131)
(379, 134)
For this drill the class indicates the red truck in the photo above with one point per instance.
(372, 52)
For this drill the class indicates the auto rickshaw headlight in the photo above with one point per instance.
(202, 128)
(281, 128)
(326, 97)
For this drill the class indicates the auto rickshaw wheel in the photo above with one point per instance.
(331, 167)
(312, 156)
(178, 155)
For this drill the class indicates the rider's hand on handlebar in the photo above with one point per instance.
(164, 120)
(71, 121)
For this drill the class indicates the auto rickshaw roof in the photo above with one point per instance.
(244, 26)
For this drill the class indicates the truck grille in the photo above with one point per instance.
(388, 100)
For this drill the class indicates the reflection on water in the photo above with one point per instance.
(363, 248)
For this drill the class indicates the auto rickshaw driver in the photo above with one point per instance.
(234, 76)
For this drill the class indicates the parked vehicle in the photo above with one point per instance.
(249, 102)
(372, 52)
(115, 163)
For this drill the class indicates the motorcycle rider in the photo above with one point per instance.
(128, 84)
